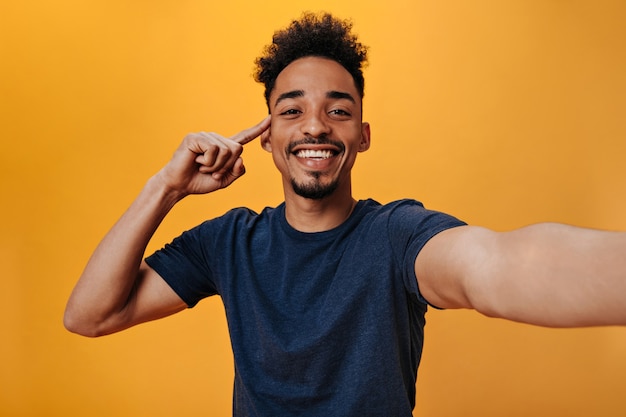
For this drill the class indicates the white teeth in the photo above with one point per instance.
(309, 153)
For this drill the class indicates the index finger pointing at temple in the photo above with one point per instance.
(253, 132)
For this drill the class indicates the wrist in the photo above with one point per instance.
(158, 187)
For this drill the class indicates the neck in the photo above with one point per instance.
(307, 215)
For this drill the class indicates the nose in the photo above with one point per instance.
(314, 124)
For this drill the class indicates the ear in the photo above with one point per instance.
(266, 140)
(365, 137)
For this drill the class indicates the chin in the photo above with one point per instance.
(314, 190)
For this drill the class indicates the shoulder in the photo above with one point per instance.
(373, 209)
(372, 204)
(407, 225)
(450, 261)
(410, 216)
(240, 217)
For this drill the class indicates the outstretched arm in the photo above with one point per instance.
(546, 274)
(117, 289)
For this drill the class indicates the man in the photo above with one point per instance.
(325, 296)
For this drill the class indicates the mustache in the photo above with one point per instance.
(320, 140)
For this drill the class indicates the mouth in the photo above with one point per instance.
(317, 149)
(318, 154)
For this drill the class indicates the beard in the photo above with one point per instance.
(314, 190)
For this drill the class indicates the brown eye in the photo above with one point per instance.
(290, 111)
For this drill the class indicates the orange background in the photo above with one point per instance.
(503, 113)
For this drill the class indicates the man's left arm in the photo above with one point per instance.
(546, 274)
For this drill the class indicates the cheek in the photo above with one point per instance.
(279, 158)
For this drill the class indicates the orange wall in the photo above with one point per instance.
(503, 113)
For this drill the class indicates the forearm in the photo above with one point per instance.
(114, 291)
(555, 275)
(105, 286)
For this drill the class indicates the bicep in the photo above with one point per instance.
(546, 274)
(151, 298)
(450, 265)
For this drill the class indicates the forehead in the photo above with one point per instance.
(314, 75)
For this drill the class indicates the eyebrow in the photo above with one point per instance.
(340, 95)
(300, 93)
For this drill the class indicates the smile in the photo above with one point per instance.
(314, 154)
(315, 148)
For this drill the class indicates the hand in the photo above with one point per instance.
(206, 162)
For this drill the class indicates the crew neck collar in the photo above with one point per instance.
(354, 216)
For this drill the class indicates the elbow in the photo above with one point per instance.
(75, 322)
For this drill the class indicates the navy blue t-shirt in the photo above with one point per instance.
(321, 324)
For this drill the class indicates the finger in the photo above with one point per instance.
(219, 154)
(236, 171)
(253, 132)
(209, 155)
(212, 150)
(226, 160)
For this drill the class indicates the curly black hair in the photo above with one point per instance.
(320, 35)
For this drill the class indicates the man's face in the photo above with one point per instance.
(316, 128)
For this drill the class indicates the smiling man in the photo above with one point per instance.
(316, 133)
(325, 295)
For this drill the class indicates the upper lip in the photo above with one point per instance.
(321, 143)
(314, 147)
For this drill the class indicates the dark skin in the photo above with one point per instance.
(545, 274)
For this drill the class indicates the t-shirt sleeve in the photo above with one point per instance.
(411, 226)
(183, 265)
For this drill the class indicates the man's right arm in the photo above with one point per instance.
(118, 289)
